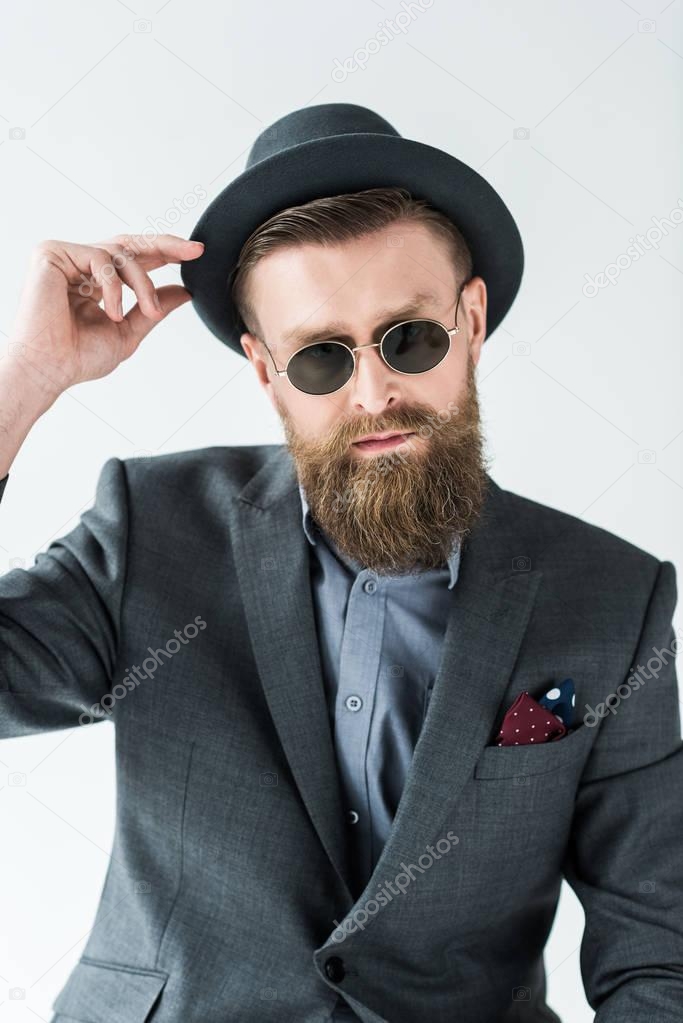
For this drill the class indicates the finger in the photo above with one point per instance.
(105, 276)
(140, 282)
(157, 251)
(138, 325)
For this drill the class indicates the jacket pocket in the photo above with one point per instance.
(99, 992)
(510, 761)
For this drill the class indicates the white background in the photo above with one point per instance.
(120, 122)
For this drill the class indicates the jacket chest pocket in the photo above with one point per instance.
(99, 992)
(525, 760)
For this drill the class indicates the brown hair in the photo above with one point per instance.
(340, 218)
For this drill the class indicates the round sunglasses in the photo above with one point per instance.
(409, 347)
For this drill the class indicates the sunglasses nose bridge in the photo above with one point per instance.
(360, 348)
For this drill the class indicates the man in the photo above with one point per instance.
(332, 803)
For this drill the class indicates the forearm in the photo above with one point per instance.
(23, 399)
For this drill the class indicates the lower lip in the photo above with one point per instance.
(382, 445)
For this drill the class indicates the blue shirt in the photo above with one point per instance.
(380, 644)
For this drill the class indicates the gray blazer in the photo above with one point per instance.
(180, 609)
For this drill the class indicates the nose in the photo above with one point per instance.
(374, 385)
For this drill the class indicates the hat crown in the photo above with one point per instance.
(335, 149)
(317, 122)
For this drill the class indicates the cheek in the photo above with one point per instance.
(447, 382)
(310, 418)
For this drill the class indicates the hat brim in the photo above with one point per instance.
(334, 166)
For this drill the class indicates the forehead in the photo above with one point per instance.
(306, 287)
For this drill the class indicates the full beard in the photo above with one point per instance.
(400, 511)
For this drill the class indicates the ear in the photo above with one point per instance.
(249, 343)
(474, 304)
(255, 352)
(258, 356)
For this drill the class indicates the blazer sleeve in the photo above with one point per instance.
(60, 618)
(625, 856)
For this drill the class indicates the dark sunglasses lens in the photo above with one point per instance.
(416, 346)
(321, 368)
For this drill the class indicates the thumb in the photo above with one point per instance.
(171, 297)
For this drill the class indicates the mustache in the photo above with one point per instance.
(411, 420)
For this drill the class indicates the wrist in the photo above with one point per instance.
(29, 386)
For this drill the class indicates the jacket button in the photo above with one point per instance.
(334, 969)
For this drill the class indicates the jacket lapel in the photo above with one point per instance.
(490, 606)
(271, 559)
(489, 609)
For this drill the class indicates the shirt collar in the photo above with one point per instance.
(310, 527)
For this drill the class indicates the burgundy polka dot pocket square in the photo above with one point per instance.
(545, 720)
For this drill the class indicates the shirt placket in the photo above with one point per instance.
(358, 675)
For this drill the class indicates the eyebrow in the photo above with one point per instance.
(338, 330)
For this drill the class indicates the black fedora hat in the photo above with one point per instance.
(331, 149)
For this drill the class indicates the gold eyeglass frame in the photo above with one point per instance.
(375, 344)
